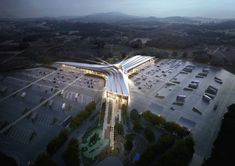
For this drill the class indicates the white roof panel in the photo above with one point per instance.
(117, 81)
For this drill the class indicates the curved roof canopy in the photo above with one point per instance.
(117, 82)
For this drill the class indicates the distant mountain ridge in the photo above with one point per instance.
(116, 17)
(110, 17)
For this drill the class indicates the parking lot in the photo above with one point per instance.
(63, 94)
(40, 100)
(193, 95)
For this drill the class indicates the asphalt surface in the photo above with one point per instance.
(155, 95)
(41, 86)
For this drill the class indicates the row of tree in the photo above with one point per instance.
(135, 119)
(71, 155)
(155, 150)
(57, 142)
(81, 116)
(180, 154)
(224, 146)
(7, 160)
(44, 159)
(169, 126)
(118, 129)
(129, 142)
(168, 151)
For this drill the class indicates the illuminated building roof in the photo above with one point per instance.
(133, 62)
(116, 80)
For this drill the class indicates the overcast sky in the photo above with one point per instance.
(158, 8)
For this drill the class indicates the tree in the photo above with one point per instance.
(181, 154)
(134, 115)
(129, 142)
(201, 56)
(118, 128)
(99, 44)
(149, 135)
(123, 55)
(102, 113)
(185, 54)
(217, 61)
(155, 150)
(44, 160)
(124, 114)
(71, 154)
(174, 54)
(136, 44)
(57, 142)
(154, 119)
(175, 128)
(6, 160)
(94, 138)
(224, 147)
(135, 118)
(23, 45)
(136, 126)
(81, 116)
(169, 126)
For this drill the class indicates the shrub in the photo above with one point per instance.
(57, 142)
(154, 119)
(71, 154)
(181, 154)
(149, 135)
(81, 116)
(134, 115)
(118, 128)
(44, 160)
(163, 144)
(6, 160)
(129, 142)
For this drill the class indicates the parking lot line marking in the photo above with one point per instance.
(11, 94)
(71, 95)
(82, 98)
(68, 95)
(38, 106)
(38, 84)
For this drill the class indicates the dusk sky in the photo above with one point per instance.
(158, 8)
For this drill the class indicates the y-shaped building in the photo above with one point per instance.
(116, 75)
(116, 87)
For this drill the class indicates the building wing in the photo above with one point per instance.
(116, 78)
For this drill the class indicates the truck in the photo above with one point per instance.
(218, 80)
(212, 90)
(62, 92)
(76, 96)
(180, 98)
(23, 94)
(63, 106)
(206, 98)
